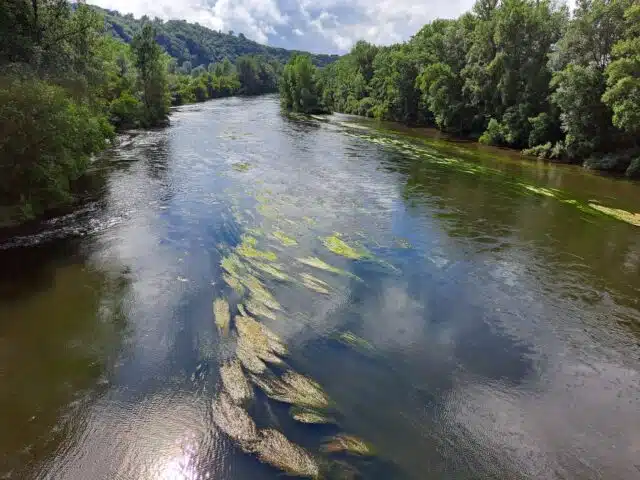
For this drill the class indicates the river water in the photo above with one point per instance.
(481, 320)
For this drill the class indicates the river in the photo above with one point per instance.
(460, 312)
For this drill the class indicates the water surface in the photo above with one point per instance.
(493, 313)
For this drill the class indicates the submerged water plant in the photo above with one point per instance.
(232, 265)
(274, 270)
(628, 217)
(294, 389)
(338, 246)
(235, 383)
(313, 283)
(258, 338)
(221, 314)
(315, 262)
(241, 166)
(260, 310)
(540, 190)
(343, 443)
(284, 239)
(248, 358)
(234, 283)
(310, 415)
(235, 422)
(248, 249)
(352, 340)
(259, 293)
(278, 451)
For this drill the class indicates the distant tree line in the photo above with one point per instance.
(66, 86)
(525, 74)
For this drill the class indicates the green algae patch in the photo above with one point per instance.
(321, 265)
(274, 270)
(315, 262)
(259, 292)
(256, 232)
(623, 215)
(257, 338)
(221, 314)
(259, 310)
(232, 265)
(241, 166)
(234, 283)
(242, 311)
(284, 239)
(248, 249)
(540, 190)
(315, 284)
(351, 340)
(267, 211)
(310, 415)
(234, 421)
(338, 246)
(294, 389)
(274, 449)
(302, 391)
(235, 383)
(248, 358)
(343, 443)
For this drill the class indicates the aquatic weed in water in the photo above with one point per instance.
(235, 383)
(628, 217)
(338, 246)
(221, 314)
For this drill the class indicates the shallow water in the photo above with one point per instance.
(481, 319)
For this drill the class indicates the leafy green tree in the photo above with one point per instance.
(152, 76)
(298, 89)
(579, 82)
(46, 140)
(198, 71)
(393, 85)
(248, 74)
(443, 48)
(623, 76)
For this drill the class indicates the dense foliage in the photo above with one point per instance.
(66, 85)
(519, 73)
(198, 45)
(299, 91)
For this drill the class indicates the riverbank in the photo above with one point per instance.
(623, 166)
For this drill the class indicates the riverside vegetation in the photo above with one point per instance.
(72, 75)
(518, 73)
(524, 74)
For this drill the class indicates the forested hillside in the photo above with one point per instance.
(198, 45)
(526, 74)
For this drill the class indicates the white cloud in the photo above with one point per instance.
(330, 26)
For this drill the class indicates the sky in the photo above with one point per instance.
(323, 26)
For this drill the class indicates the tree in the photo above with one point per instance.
(623, 76)
(579, 82)
(298, 89)
(247, 68)
(152, 76)
(393, 85)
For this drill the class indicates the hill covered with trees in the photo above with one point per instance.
(196, 45)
